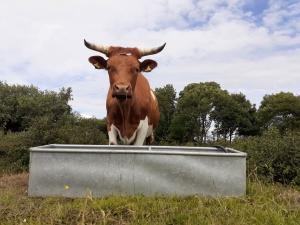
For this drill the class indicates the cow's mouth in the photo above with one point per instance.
(122, 97)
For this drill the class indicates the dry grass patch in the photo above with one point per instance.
(290, 196)
(14, 181)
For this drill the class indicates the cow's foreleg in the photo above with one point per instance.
(142, 131)
(112, 135)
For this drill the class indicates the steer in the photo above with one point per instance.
(132, 108)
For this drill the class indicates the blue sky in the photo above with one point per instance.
(247, 46)
(256, 7)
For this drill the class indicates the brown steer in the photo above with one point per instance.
(132, 108)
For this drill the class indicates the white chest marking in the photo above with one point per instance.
(126, 140)
(143, 130)
(112, 135)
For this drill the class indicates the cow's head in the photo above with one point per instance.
(123, 66)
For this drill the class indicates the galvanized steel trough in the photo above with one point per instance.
(101, 170)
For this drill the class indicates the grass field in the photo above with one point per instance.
(264, 204)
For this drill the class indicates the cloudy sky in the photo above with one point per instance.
(248, 46)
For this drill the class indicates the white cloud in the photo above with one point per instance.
(283, 16)
(41, 43)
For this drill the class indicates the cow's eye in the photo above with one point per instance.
(135, 70)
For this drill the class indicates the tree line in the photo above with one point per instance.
(204, 112)
(200, 113)
(44, 114)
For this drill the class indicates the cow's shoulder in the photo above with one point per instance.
(142, 91)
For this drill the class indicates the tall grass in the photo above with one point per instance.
(264, 204)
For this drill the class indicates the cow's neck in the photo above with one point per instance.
(126, 109)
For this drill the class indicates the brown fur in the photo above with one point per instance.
(126, 115)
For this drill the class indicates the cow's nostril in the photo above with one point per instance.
(127, 88)
(116, 87)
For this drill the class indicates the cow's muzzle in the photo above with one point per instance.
(122, 91)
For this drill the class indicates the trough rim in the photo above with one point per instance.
(129, 149)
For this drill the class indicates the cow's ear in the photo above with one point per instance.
(148, 65)
(98, 62)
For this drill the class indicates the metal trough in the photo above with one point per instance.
(76, 170)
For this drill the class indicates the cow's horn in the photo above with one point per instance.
(151, 51)
(100, 48)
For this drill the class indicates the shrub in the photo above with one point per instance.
(273, 156)
(82, 131)
(14, 151)
(69, 129)
(43, 130)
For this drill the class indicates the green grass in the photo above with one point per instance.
(264, 204)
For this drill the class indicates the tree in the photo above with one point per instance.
(281, 110)
(9, 96)
(166, 97)
(192, 119)
(233, 113)
(249, 126)
(19, 105)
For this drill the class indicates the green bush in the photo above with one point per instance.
(20, 105)
(82, 131)
(69, 129)
(31, 117)
(272, 156)
(14, 151)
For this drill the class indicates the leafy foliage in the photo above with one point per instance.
(30, 117)
(68, 130)
(192, 119)
(233, 113)
(20, 105)
(273, 156)
(14, 156)
(281, 110)
(204, 104)
(166, 97)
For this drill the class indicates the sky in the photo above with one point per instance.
(248, 46)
